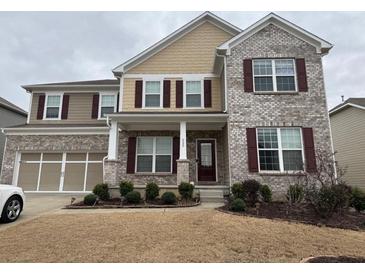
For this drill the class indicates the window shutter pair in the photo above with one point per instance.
(131, 156)
(64, 110)
(308, 143)
(179, 93)
(300, 68)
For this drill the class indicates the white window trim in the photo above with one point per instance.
(280, 150)
(190, 78)
(101, 93)
(273, 75)
(153, 156)
(152, 79)
(59, 108)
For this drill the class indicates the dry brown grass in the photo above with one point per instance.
(186, 236)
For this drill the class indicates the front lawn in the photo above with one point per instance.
(179, 235)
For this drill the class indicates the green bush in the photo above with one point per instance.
(102, 191)
(266, 193)
(152, 191)
(237, 205)
(295, 194)
(358, 199)
(186, 190)
(169, 198)
(90, 199)
(125, 187)
(238, 191)
(133, 197)
(251, 188)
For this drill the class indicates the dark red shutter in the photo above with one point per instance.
(65, 103)
(247, 75)
(175, 153)
(95, 107)
(138, 94)
(179, 93)
(117, 110)
(252, 150)
(131, 161)
(41, 101)
(309, 150)
(166, 93)
(207, 93)
(301, 74)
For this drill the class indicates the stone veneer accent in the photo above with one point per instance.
(50, 143)
(304, 109)
(182, 174)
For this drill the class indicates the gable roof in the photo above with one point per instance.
(96, 83)
(204, 17)
(10, 106)
(351, 102)
(321, 45)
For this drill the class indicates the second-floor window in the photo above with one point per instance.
(107, 104)
(193, 94)
(152, 94)
(271, 75)
(53, 107)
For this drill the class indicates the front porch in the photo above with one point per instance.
(168, 148)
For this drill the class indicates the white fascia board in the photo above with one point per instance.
(170, 117)
(57, 131)
(206, 16)
(45, 87)
(344, 106)
(322, 45)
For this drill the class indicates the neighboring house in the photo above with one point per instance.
(10, 115)
(348, 133)
(210, 103)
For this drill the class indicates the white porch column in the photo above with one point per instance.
(113, 141)
(182, 140)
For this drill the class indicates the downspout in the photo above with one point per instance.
(225, 80)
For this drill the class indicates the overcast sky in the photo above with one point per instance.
(41, 47)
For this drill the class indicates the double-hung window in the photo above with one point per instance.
(154, 154)
(53, 107)
(193, 94)
(271, 75)
(107, 104)
(280, 149)
(152, 94)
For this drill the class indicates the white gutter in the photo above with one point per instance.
(56, 131)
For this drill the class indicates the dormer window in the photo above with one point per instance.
(53, 107)
(274, 75)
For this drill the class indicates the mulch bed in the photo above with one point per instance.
(116, 203)
(334, 259)
(303, 213)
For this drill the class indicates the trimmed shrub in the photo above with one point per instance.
(358, 199)
(169, 198)
(295, 194)
(102, 191)
(152, 191)
(133, 197)
(251, 188)
(237, 205)
(186, 190)
(125, 187)
(238, 191)
(90, 199)
(266, 193)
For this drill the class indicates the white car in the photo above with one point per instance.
(12, 201)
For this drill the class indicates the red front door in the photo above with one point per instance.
(206, 160)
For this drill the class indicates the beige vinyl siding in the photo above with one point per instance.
(129, 95)
(348, 132)
(193, 53)
(79, 111)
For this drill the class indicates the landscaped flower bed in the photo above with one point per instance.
(100, 198)
(334, 259)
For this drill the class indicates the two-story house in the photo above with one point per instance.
(210, 103)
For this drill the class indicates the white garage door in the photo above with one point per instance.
(61, 172)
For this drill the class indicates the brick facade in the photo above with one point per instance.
(304, 109)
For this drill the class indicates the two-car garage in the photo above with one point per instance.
(59, 171)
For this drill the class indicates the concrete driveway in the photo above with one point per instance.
(39, 203)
